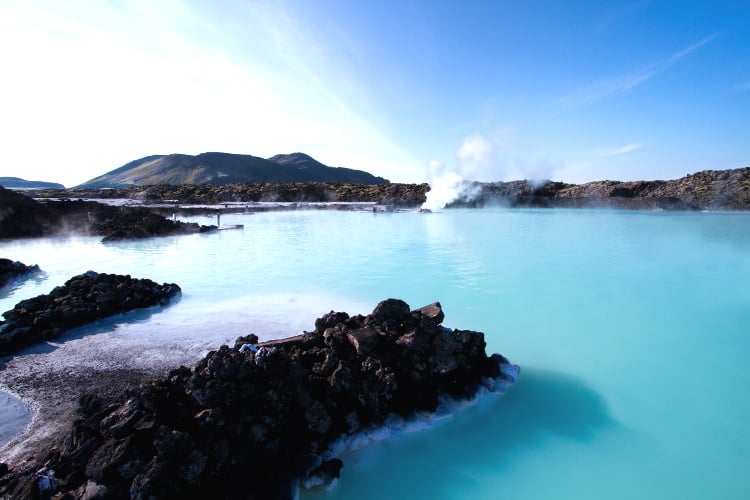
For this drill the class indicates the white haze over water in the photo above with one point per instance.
(630, 329)
(445, 186)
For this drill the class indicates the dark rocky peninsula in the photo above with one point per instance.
(24, 217)
(252, 420)
(10, 270)
(83, 299)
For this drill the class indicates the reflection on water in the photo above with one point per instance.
(443, 462)
(36, 277)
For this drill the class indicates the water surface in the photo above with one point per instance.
(630, 327)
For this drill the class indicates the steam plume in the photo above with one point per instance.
(481, 158)
(445, 186)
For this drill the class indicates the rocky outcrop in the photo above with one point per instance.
(83, 299)
(708, 190)
(137, 223)
(10, 270)
(252, 420)
(20, 216)
(23, 217)
(711, 189)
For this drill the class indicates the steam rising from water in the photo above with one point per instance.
(475, 155)
(445, 186)
(482, 158)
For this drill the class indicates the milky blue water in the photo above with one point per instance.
(632, 330)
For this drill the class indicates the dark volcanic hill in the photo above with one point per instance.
(17, 183)
(225, 168)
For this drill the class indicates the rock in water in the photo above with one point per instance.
(83, 299)
(253, 423)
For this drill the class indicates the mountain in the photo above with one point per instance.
(17, 183)
(226, 168)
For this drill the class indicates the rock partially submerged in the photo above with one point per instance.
(252, 420)
(83, 299)
(10, 270)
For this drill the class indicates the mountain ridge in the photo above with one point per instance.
(226, 168)
(18, 183)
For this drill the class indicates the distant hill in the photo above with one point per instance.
(226, 168)
(17, 183)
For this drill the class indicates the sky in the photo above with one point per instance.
(410, 90)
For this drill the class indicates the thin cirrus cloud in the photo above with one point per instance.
(627, 148)
(612, 87)
(211, 90)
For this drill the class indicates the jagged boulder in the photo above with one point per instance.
(267, 413)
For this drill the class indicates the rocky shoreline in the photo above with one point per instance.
(24, 217)
(400, 195)
(706, 190)
(268, 413)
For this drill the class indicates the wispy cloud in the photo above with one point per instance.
(100, 72)
(478, 155)
(475, 152)
(627, 148)
(612, 87)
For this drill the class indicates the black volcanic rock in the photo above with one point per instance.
(83, 299)
(225, 168)
(13, 269)
(23, 217)
(18, 183)
(707, 190)
(137, 223)
(251, 421)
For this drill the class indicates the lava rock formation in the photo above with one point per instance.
(253, 420)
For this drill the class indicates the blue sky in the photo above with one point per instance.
(502, 90)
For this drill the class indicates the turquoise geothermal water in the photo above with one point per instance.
(632, 330)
